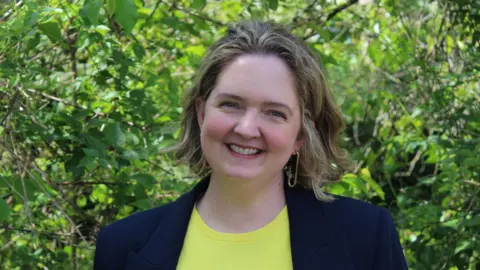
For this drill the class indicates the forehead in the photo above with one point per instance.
(262, 77)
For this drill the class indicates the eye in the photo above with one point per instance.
(278, 114)
(228, 104)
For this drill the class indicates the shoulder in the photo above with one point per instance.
(355, 217)
(125, 235)
(348, 209)
(134, 228)
(369, 232)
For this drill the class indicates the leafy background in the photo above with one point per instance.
(89, 94)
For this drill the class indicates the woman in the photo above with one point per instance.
(261, 125)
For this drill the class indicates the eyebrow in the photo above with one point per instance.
(267, 103)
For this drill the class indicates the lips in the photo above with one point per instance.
(243, 150)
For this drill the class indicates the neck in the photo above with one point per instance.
(241, 205)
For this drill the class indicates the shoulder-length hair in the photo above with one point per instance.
(322, 161)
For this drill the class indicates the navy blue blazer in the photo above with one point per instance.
(343, 234)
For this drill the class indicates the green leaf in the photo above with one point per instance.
(365, 175)
(130, 155)
(87, 162)
(4, 210)
(273, 4)
(33, 42)
(102, 29)
(114, 134)
(198, 4)
(100, 193)
(138, 50)
(52, 30)
(108, 164)
(471, 161)
(474, 221)
(145, 179)
(462, 245)
(91, 152)
(111, 6)
(375, 52)
(171, 21)
(324, 34)
(30, 19)
(91, 11)
(132, 138)
(326, 59)
(81, 201)
(126, 14)
(142, 204)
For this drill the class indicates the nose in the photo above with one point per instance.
(248, 126)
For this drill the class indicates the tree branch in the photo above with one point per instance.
(8, 228)
(10, 107)
(329, 16)
(306, 10)
(10, 11)
(198, 15)
(153, 11)
(340, 9)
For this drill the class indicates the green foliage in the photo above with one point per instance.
(90, 94)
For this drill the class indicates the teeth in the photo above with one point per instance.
(244, 151)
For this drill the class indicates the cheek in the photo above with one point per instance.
(281, 139)
(216, 126)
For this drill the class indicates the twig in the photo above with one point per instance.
(471, 182)
(10, 11)
(12, 187)
(306, 10)
(340, 9)
(55, 98)
(11, 242)
(74, 239)
(10, 107)
(330, 15)
(60, 209)
(198, 15)
(153, 11)
(85, 183)
(413, 162)
(25, 199)
(38, 232)
(355, 130)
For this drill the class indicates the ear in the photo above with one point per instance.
(298, 144)
(200, 108)
(301, 140)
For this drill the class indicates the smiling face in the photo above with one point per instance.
(250, 123)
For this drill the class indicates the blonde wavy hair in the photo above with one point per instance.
(322, 161)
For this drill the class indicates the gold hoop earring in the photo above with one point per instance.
(289, 173)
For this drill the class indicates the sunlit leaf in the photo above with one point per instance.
(90, 11)
(4, 210)
(273, 4)
(126, 14)
(365, 175)
(145, 179)
(52, 30)
(198, 4)
(115, 134)
(111, 6)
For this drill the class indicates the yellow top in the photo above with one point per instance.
(265, 248)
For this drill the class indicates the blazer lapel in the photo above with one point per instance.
(315, 243)
(163, 249)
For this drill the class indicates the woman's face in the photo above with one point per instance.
(250, 123)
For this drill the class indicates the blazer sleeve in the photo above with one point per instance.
(109, 253)
(388, 250)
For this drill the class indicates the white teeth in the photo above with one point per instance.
(244, 151)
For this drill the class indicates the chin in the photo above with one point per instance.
(240, 173)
